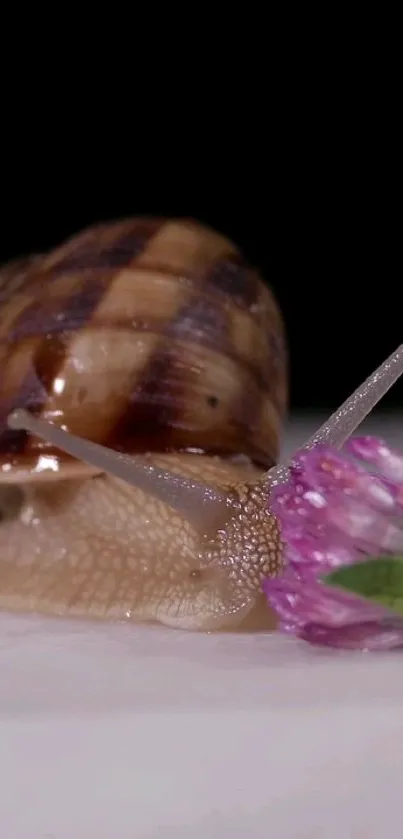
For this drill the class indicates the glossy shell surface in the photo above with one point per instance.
(142, 335)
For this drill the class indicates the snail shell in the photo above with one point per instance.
(147, 336)
(143, 335)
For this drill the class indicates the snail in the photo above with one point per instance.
(142, 392)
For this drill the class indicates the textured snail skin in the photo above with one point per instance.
(88, 545)
(100, 548)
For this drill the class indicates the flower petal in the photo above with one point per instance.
(368, 637)
(310, 555)
(334, 512)
(303, 602)
(377, 453)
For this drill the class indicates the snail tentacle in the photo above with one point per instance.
(344, 421)
(199, 504)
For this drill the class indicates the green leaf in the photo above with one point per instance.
(379, 580)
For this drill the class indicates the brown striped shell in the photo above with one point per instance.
(142, 335)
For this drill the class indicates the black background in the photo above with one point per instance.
(318, 213)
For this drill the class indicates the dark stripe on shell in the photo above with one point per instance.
(154, 419)
(13, 276)
(233, 277)
(202, 320)
(153, 408)
(48, 316)
(49, 356)
(92, 255)
(30, 396)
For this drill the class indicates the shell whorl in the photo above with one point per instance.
(143, 335)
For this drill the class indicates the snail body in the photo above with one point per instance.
(154, 339)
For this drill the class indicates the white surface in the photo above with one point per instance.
(116, 732)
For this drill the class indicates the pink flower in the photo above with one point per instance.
(337, 508)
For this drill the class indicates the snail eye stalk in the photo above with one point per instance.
(201, 505)
(343, 422)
